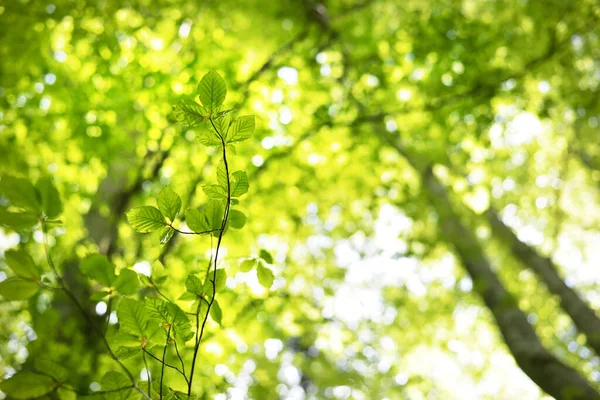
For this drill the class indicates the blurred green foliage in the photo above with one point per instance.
(367, 300)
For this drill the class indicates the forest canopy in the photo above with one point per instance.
(299, 199)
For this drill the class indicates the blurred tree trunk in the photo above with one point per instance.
(583, 316)
(549, 373)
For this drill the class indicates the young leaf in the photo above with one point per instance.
(209, 219)
(123, 353)
(222, 114)
(20, 220)
(99, 295)
(22, 264)
(17, 289)
(212, 90)
(222, 175)
(116, 380)
(169, 203)
(27, 385)
(216, 313)
(97, 267)
(132, 317)
(237, 219)
(265, 276)
(219, 283)
(146, 219)
(239, 183)
(189, 113)
(215, 191)
(51, 204)
(248, 264)
(241, 129)
(266, 256)
(193, 284)
(221, 127)
(166, 234)
(209, 138)
(127, 282)
(49, 367)
(21, 193)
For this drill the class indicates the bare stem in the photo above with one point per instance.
(214, 280)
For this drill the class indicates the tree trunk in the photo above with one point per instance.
(550, 374)
(583, 316)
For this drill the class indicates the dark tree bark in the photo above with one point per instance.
(583, 316)
(550, 374)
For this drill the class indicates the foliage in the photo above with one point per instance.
(159, 240)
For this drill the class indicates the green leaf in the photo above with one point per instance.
(222, 175)
(146, 219)
(21, 193)
(222, 114)
(209, 219)
(237, 219)
(239, 183)
(266, 256)
(212, 90)
(220, 127)
(51, 204)
(166, 234)
(215, 191)
(189, 113)
(127, 282)
(132, 317)
(241, 129)
(265, 276)
(20, 220)
(169, 203)
(27, 385)
(209, 138)
(97, 267)
(99, 295)
(22, 264)
(124, 353)
(116, 380)
(219, 283)
(216, 313)
(248, 264)
(17, 289)
(170, 314)
(51, 368)
(193, 284)
(65, 394)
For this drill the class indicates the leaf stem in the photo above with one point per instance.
(194, 233)
(162, 369)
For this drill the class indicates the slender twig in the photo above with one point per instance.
(108, 311)
(79, 307)
(181, 361)
(162, 368)
(70, 389)
(147, 371)
(219, 240)
(166, 364)
(194, 233)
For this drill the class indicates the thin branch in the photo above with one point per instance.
(162, 368)
(166, 364)
(181, 361)
(147, 371)
(221, 232)
(194, 233)
(108, 311)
